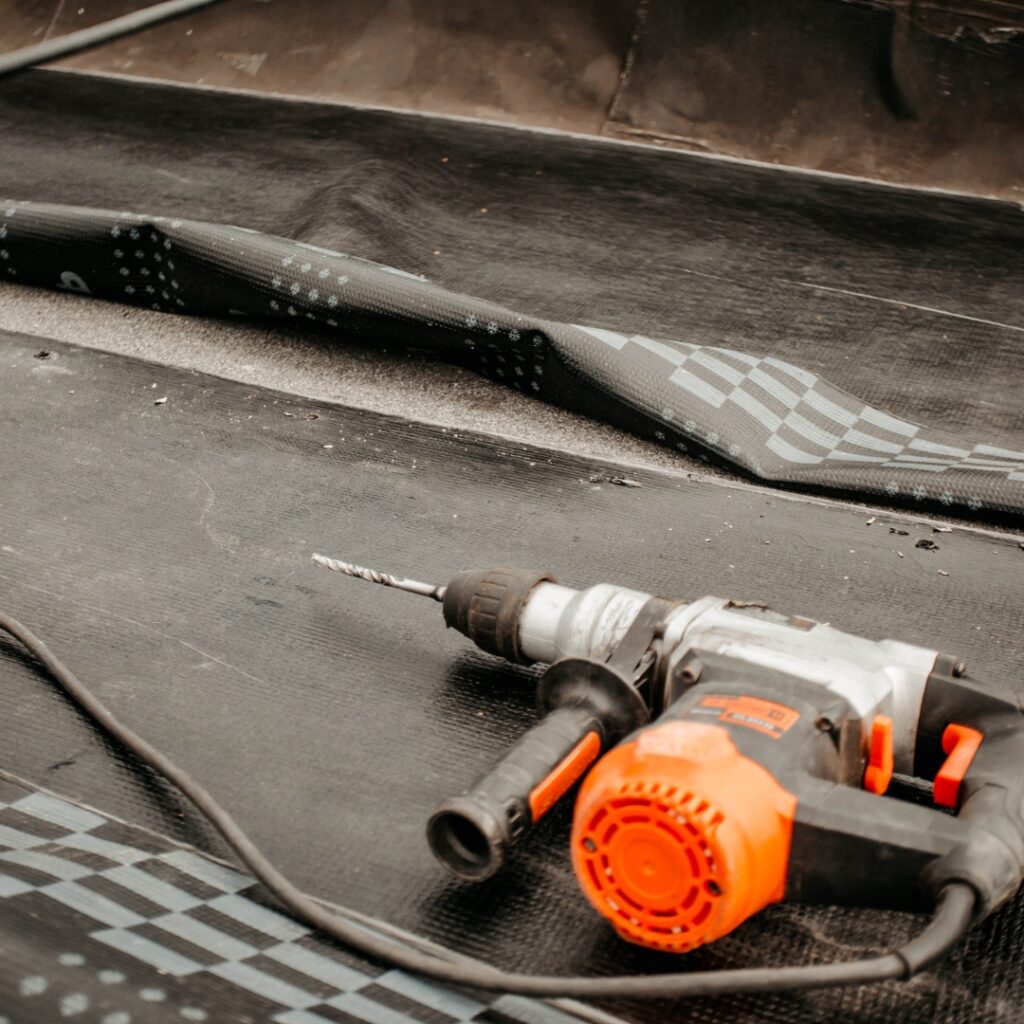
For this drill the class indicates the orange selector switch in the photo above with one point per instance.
(878, 773)
(678, 838)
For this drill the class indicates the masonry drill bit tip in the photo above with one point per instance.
(383, 578)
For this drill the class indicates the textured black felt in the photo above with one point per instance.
(908, 301)
(164, 551)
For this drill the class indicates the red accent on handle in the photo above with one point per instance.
(961, 743)
(548, 792)
(878, 773)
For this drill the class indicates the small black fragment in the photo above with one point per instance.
(928, 545)
(43, 354)
(619, 481)
(899, 533)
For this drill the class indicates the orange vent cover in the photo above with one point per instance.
(678, 838)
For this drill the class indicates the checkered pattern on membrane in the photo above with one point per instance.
(105, 923)
(760, 415)
(100, 921)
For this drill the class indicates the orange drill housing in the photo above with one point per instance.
(678, 838)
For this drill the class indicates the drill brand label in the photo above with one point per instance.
(755, 713)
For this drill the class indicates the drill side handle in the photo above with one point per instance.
(472, 833)
(589, 707)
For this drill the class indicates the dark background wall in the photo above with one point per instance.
(924, 92)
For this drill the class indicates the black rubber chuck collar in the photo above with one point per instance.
(485, 605)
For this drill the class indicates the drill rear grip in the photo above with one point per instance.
(588, 707)
(971, 740)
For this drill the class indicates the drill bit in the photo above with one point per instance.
(383, 578)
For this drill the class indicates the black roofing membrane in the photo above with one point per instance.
(817, 333)
(163, 550)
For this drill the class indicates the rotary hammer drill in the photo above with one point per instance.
(732, 757)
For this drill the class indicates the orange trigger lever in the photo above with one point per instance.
(960, 743)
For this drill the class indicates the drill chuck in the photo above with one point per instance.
(523, 615)
(486, 605)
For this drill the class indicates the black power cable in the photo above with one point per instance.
(951, 919)
(97, 35)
